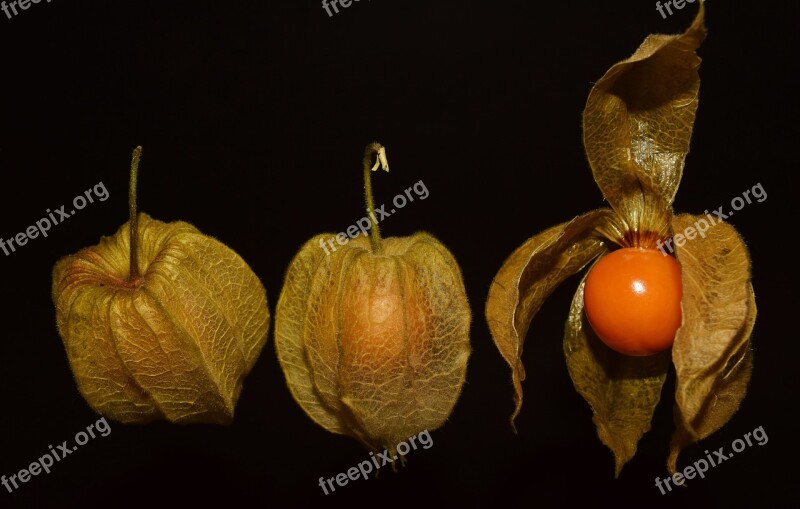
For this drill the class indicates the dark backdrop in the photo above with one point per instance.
(254, 116)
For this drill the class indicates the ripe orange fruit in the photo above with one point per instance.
(632, 299)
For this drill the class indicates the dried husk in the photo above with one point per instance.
(637, 125)
(374, 346)
(173, 344)
(530, 275)
(712, 353)
(622, 391)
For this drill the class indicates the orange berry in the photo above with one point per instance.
(632, 299)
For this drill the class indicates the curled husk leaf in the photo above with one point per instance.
(374, 346)
(529, 276)
(712, 353)
(637, 125)
(176, 342)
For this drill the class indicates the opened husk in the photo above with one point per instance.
(637, 127)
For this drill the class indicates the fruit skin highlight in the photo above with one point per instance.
(632, 299)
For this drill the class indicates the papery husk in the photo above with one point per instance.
(530, 275)
(637, 125)
(622, 391)
(374, 346)
(173, 344)
(712, 353)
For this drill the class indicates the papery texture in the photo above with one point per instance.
(712, 354)
(374, 346)
(174, 344)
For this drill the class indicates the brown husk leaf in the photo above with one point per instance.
(711, 353)
(530, 275)
(622, 391)
(637, 125)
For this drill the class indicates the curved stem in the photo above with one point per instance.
(134, 220)
(380, 161)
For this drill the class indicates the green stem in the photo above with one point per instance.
(380, 161)
(134, 220)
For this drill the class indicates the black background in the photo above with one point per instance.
(254, 116)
